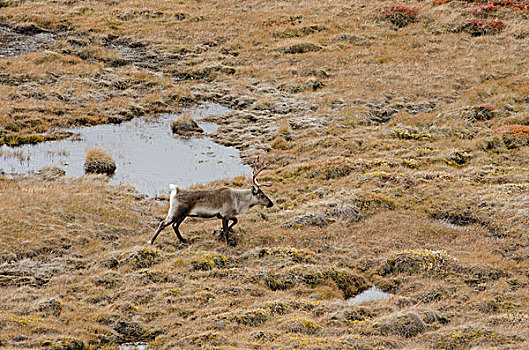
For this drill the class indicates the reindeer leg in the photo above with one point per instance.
(174, 216)
(177, 231)
(180, 218)
(221, 231)
(234, 222)
(225, 229)
(166, 222)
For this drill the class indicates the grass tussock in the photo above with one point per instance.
(185, 125)
(99, 161)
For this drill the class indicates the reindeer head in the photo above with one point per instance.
(257, 193)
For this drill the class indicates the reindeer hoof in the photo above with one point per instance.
(231, 241)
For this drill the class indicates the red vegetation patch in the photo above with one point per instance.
(478, 27)
(494, 5)
(485, 9)
(399, 15)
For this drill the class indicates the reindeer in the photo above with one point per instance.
(223, 203)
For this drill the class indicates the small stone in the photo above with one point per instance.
(301, 48)
(408, 325)
(309, 219)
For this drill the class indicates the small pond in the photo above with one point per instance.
(133, 346)
(370, 294)
(146, 152)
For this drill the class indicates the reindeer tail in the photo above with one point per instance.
(174, 191)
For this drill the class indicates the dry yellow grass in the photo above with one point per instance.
(390, 141)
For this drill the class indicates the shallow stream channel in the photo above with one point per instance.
(146, 152)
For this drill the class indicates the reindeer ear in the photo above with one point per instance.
(254, 190)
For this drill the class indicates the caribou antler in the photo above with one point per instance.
(257, 168)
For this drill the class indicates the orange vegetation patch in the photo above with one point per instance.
(515, 131)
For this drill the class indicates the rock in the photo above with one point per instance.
(309, 219)
(301, 48)
(346, 212)
(408, 325)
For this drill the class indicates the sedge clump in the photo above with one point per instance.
(99, 161)
(185, 125)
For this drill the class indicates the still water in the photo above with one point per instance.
(370, 294)
(146, 152)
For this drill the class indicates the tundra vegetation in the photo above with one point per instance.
(397, 137)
